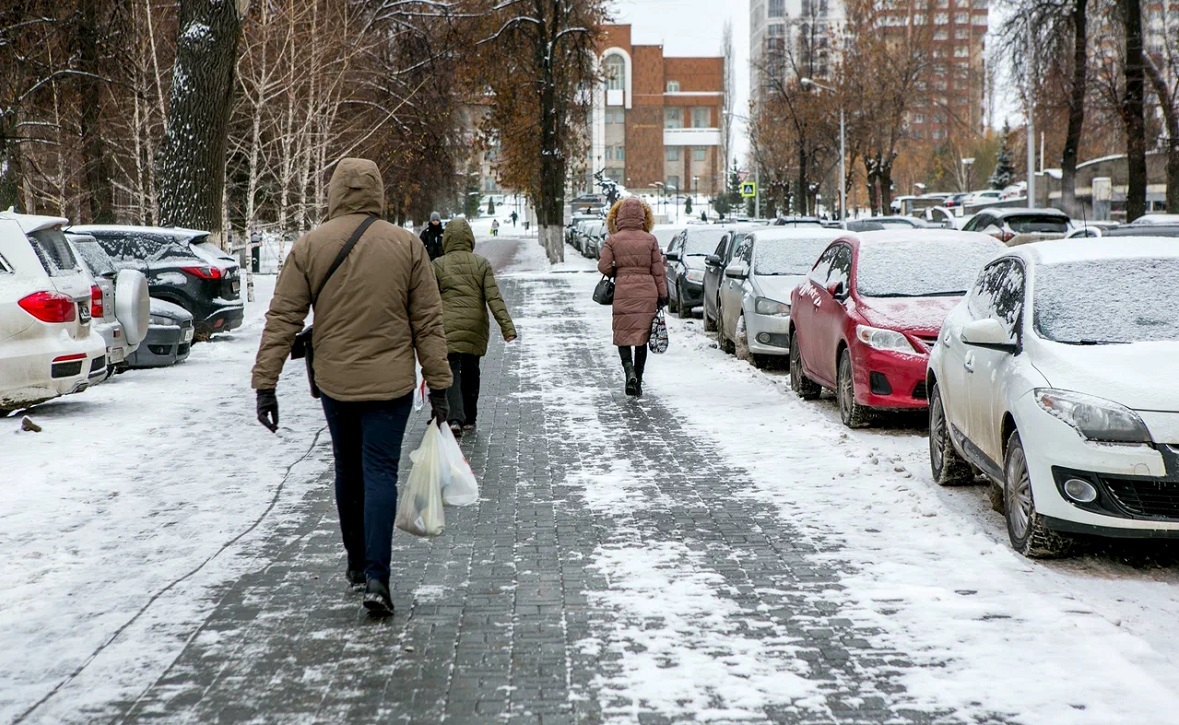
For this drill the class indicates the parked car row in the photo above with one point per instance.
(1047, 369)
(79, 304)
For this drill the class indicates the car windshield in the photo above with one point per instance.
(702, 244)
(96, 259)
(1108, 301)
(1033, 223)
(130, 247)
(922, 267)
(787, 256)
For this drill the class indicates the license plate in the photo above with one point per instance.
(84, 312)
(188, 335)
(116, 355)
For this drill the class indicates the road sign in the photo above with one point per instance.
(748, 190)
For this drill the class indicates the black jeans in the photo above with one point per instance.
(463, 395)
(366, 442)
(639, 359)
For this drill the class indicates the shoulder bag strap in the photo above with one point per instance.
(356, 235)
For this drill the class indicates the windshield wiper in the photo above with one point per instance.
(1087, 342)
(957, 293)
(780, 274)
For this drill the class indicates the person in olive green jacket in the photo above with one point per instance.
(468, 289)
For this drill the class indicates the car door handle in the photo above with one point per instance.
(968, 363)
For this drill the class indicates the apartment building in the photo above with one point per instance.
(952, 101)
(656, 121)
(793, 38)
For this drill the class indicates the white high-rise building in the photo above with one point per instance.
(792, 39)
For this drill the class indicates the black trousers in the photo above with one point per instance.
(463, 396)
(638, 358)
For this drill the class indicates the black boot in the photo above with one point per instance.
(632, 379)
(377, 600)
(639, 382)
(355, 579)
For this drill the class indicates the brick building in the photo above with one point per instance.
(656, 120)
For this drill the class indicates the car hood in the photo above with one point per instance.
(918, 315)
(1138, 375)
(778, 286)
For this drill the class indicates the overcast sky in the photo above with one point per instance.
(694, 28)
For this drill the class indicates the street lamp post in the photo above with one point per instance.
(695, 191)
(968, 162)
(842, 145)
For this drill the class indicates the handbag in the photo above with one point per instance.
(657, 342)
(604, 291)
(301, 348)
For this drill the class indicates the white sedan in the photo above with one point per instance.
(1058, 378)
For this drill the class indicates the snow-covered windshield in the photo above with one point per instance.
(702, 243)
(787, 256)
(96, 259)
(1108, 301)
(922, 267)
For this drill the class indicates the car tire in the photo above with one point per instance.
(709, 322)
(1025, 526)
(852, 413)
(685, 311)
(741, 340)
(673, 304)
(948, 468)
(726, 345)
(802, 386)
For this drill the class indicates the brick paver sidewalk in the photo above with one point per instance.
(501, 619)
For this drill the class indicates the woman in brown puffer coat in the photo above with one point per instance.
(633, 258)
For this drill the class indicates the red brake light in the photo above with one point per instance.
(50, 307)
(96, 308)
(203, 272)
(1006, 236)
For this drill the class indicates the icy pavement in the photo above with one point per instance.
(716, 552)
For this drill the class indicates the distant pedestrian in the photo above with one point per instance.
(515, 216)
(632, 257)
(468, 288)
(495, 227)
(704, 216)
(377, 311)
(432, 236)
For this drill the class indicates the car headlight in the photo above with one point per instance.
(1094, 418)
(694, 275)
(162, 321)
(887, 340)
(766, 306)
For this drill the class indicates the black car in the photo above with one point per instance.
(181, 267)
(685, 266)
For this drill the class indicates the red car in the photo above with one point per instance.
(869, 312)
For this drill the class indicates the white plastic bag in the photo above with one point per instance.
(420, 390)
(459, 487)
(419, 512)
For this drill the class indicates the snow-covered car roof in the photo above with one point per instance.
(811, 232)
(178, 232)
(33, 222)
(1085, 249)
(1004, 212)
(889, 236)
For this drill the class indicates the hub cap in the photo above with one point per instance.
(847, 394)
(937, 434)
(1019, 494)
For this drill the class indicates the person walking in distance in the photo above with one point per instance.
(432, 236)
(376, 306)
(468, 289)
(632, 257)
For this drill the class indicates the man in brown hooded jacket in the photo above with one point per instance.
(379, 308)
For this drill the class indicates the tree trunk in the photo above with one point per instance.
(192, 161)
(1076, 110)
(550, 216)
(804, 194)
(885, 186)
(96, 162)
(1133, 109)
(1171, 119)
(10, 161)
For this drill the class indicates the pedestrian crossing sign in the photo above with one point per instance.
(748, 190)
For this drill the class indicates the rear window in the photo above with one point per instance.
(787, 256)
(1031, 224)
(54, 252)
(128, 248)
(97, 260)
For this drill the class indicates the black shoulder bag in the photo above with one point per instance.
(302, 348)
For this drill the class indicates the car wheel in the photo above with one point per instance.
(673, 304)
(1025, 526)
(709, 322)
(947, 466)
(741, 339)
(853, 414)
(802, 386)
(684, 310)
(725, 343)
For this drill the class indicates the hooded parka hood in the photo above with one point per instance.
(458, 237)
(630, 213)
(355, 188)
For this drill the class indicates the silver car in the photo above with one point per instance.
(754, 299)
(119, 311)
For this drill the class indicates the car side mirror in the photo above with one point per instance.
(712, 260)
(673, 256)
(990, 334)
(837, 291)
(737, 271)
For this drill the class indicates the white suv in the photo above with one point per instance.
(1058, 378)
(47, 346)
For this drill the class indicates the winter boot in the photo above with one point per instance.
(456, 428)
(639, 383)
(632, 379)
(377, 600)
(355, 579)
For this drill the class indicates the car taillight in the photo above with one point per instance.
(1006, 236)
(203, 272)
(50, 307)
(96, 309)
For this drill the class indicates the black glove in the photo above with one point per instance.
(268, 409)
(439, 407)
(661, 303)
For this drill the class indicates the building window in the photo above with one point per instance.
(777, 9)
(919, 118)
(961, 51)
(673, 86)
(962, 18)
(700, 153)
(961, 33)
(620, 153)
(702, 117)
(673, 118)
(941, 35)
(615, 73)
(673, 184)
(673, 153)
(941, 19)
(609, 153)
